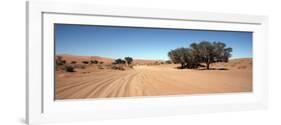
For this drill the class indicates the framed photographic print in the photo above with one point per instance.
(89, 62)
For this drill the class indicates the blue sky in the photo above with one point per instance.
(141, 43)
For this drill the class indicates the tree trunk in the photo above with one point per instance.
(208, 66)
(182, 65)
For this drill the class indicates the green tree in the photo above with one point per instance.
(119, 61)
(129, 60)
(190, 59)
(207, 52)
(203, 52)
(177, 56)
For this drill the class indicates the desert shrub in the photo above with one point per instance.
(85, 62)
(156, 63)
(119, 61)
(73, 62)
(168, 62)
(101, 62)
(118, 67)
(94, 62)
(60, 61)
(69, 68)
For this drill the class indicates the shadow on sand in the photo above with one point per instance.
(201, 67)
(214, 69)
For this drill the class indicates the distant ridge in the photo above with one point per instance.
(69, 58)
(237, 63)
(79, 59)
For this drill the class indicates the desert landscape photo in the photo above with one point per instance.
(109, 62)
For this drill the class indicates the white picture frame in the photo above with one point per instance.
(41, 107)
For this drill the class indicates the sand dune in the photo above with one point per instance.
(154, 81)
(79, 59)
(241, 63)
(143, 61)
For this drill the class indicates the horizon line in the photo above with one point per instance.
(130, 56)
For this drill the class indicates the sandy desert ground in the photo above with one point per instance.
(154, 80)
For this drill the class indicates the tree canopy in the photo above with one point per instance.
(129, 60)
(203, 52)
(119, 61)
